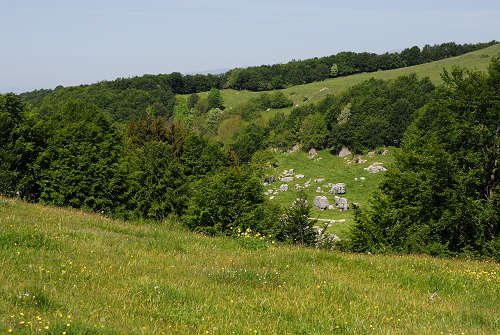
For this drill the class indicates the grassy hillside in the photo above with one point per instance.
(316, 91)
(68, 272)
(334, 170)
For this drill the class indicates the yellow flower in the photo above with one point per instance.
(46, 327)
(10, 330)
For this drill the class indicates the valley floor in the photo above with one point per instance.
(65, 271)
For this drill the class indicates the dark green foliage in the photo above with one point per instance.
(224, 202)
(273, 100)
(376, 112)
(441, 195)
(79, 166)
(249, 111)
(13, 144)
(201, 157)
(121, 100)
(313, 132)
(193, 100)
(156, 182)
(250, 140)
(215, 99)
(295, 226)
(270, 77)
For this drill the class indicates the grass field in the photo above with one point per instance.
(64, 271)
(477, 60)
(334, 170)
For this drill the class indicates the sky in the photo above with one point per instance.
(48, 43)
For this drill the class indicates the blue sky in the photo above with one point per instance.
(49, 43)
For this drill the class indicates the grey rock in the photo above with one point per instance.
(375, 168)
(338, 188)
(319, 190)
(312, 153)
(344, 152)
(283, 188)
(287, 179)
(321, 202)
(342, 204)
(319, 180)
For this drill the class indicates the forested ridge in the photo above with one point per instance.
(440, 197)
(125, 98)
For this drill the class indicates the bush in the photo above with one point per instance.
(295, 227)
(229, 200)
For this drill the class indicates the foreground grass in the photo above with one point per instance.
(68, 271)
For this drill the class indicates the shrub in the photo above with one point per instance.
(226, 201)
(295, 227)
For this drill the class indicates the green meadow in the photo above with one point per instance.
(332, 169)
(65, 271)
(476, 60)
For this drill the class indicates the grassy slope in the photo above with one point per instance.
(474, 60)
(334, 170)
(84, 274)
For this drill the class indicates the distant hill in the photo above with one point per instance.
(316, 91)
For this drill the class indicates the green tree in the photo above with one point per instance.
(295, 227)
(334, 70)
(441, 197)
(313, 132)
(215, 99)
(193, 100)
(156, 182)
(224, 202)
(80, 164)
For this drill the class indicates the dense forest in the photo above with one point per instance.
(154, 95)
(440, 198)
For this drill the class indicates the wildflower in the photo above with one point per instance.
(10, 330)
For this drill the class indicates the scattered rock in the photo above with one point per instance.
(295, 148)
(371, 154)
(312, 153)
(321, 202)
(283, 188)
(356, 179)
(376, 168)
(341, 203)
(344, 152)
(291, 172)
(319, 190)
(265, 184)
(319, 180)
(308, 183)
(338, 188)
(323, 89)
(298, 176)
(271, 197)
(362, 178)
(270, 180)
(287, 179)
(297, 187)
(267, 110)
(331, 207)
(385, 152)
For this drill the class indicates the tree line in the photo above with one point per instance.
(156, 92)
